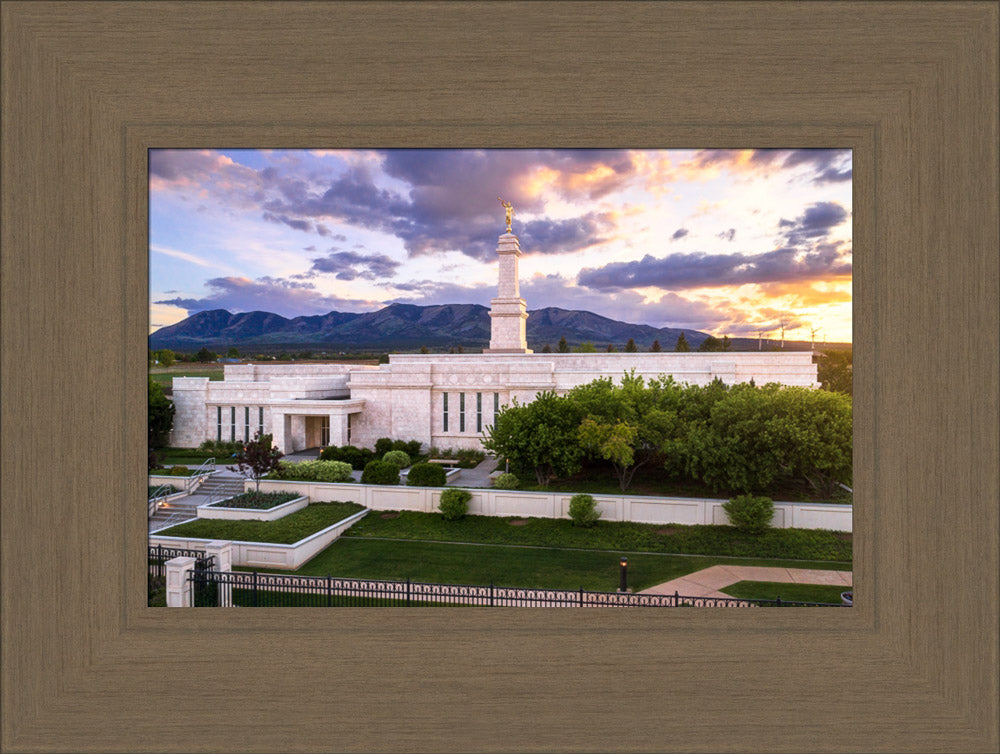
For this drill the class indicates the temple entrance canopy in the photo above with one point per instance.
(301, 424)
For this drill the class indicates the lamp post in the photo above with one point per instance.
(623, 575)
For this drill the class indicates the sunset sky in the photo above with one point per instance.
(729, 242)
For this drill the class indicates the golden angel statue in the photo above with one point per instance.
(510, 212)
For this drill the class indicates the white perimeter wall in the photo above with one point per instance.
(639, 508)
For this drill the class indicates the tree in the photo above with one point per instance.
(165, 356)
(755, 437)
(547, 349)
(655, 348)
(630, 347)
(540, 435)
(836, 371)
(611, 348)
(726, 343)
(205, 356)
(630, 424)
(161, 415)
(682, 344)
(585, 348)
(233, 353)
(423, 349)
(711, 343)
(257, 458)
(563, 345)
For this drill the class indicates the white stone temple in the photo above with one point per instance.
(442, 400)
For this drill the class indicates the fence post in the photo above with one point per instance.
(255, 589)
(329, 591)
(779, 600)
(222, 551)
(178, 582)
(677, 598)
(581, 596)
(407, 591)
(491, 594)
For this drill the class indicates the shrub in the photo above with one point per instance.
(383, 445)
(178, 471)
(411, 448)
(397, 458)
(426, 475)
(506, 481)
(583, 510)
(750, 514)
(380, 472)
(454, 504)
(221, 447)
(357, 457)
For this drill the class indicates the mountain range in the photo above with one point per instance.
(408, 327)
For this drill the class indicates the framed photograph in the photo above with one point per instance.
(90, 89)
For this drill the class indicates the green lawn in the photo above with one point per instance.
(504, 565)
(770, 590)
(165, 375)
(626, 536)
(287, 530)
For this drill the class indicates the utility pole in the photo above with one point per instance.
(782, 334)
(760, 335)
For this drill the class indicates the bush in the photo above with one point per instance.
(383, 445)
(750, 514)
(454, 504)
(178, 471)
(506, 481)
(583, 510)
(380, 472)
(357, 457)
(411, 448)
(314, 471)
(332, 471)
(397, 458)
(221, 447)
(426, 475)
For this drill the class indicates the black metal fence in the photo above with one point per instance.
(254, 589)
(156, 572)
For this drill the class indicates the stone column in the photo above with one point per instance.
(178, 586)
(508, 311)
(223, 552)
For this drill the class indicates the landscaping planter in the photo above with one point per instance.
(252, 514)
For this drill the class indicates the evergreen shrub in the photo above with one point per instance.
(750, 514)
(506, 481)
(426, 475)
(454, 504)
(397, 458)
(380, 472)
(583, 510)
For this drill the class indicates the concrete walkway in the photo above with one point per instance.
(708, 582)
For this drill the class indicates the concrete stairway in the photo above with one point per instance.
(218, 487)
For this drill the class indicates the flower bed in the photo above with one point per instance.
(256, 500)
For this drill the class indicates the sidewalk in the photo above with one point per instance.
(708, 582)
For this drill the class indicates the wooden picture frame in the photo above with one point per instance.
(912, 88)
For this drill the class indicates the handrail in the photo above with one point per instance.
(208, 465)
(156, 497)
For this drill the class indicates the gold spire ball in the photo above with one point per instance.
(510, 212)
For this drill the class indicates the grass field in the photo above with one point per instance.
(445, 563)
(165, 375)
(792, 544)
(769, 590)
(286, 531)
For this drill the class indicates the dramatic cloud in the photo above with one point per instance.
(683, 271)
(349, 265)
(678, 234)
(285, 297)
(452, 202)
(828, 165)
(816, 222)
(728, 235)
